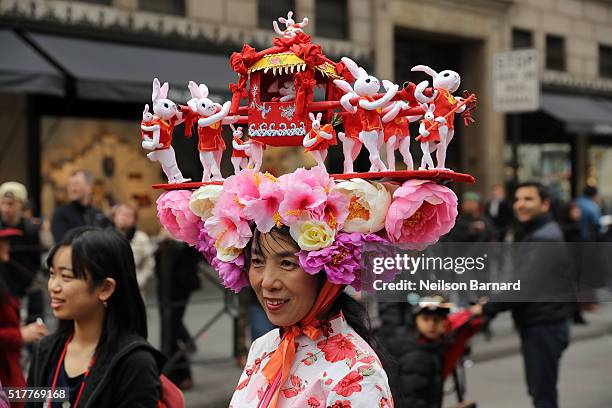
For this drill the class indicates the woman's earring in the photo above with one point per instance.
(105, 303)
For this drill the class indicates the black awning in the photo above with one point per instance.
(22, 69)
(580, 113)
(112, 71)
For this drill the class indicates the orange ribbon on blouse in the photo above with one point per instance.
(281, 359)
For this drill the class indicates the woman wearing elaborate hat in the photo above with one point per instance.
(297, 241)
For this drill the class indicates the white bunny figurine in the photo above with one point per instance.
(287, 91)
(366, 86)
(291, 27)
(318, 140)
(210, 141)
(351, 145)
(166, 117)
(397, 133)
(240, 152)
(444, 83)
(256, 149)
(147, 120)
(430, 140)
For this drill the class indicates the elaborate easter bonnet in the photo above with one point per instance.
(330, 220)
(330, 217)
(333, 218)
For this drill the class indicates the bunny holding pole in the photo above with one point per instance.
(429, 139)
(240, 152)
(445, 83)
(160, 126)
(397, 133)
(210, 141)
(318, 140)
(146, 123)
(369, 109)
(351, 145)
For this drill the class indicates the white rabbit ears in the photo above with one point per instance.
(424, 68)
(159, 92)
(198, 91)
(289, 17)
(343, 85)
(354, 69)
(312, 117)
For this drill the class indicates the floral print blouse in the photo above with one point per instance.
(338, 370)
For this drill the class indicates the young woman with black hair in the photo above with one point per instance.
(99, 351)
(322, 355)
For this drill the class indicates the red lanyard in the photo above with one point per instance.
(57, 369)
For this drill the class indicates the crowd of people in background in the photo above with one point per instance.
(425, 340)
(25, 241)
(532, 216)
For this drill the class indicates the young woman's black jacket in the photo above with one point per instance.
(126, 373)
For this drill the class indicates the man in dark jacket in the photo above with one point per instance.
(78, 212)
(544, 327)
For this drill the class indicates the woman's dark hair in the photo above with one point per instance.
(98, 254)
(354, 312)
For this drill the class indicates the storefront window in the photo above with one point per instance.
(549, 163)
(600, 174)
(110, 150)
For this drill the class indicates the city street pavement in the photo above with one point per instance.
(584, 378)
(215, 372)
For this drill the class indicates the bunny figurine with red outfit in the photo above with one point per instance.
(157, 132)
(318, 140)
(351, 145)
(368, 109)
(240, 150)
(147, 122)
(291, 27)
(397, 133)
(441, 129)
(210, 141)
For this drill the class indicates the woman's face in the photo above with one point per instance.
(285, 291)
(71, 298)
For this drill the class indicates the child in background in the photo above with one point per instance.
(430, 351)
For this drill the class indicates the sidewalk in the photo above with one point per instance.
(215, 372)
